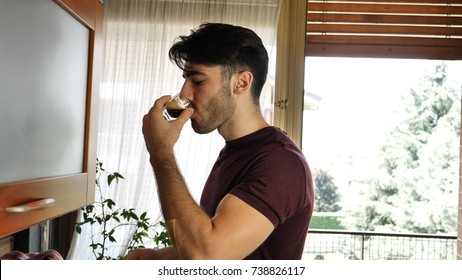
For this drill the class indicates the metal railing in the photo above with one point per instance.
(363, 245)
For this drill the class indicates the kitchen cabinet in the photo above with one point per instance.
(51, 66)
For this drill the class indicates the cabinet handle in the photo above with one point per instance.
(34, 205)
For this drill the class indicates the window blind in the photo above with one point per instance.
(428, 29)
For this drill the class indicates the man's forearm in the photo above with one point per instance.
(189, 226)
(167, 253)
(173, 193)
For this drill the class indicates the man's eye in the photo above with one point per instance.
(198, 83)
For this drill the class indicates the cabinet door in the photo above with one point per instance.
(49, 86)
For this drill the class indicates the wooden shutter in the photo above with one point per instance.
(429, 29)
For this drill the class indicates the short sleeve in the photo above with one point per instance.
(275, 185)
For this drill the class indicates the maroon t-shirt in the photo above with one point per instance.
(268, 171)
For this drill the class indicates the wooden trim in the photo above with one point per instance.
(380, 18)
(384, 51)
(384, 8)
(392, 29)
(384, 29)
(389, 47)
(83, 10)
(68, 192)
(444, 2)
(382, 40)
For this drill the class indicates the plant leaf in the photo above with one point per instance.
(109, 202)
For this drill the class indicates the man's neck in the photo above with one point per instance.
(242, 125)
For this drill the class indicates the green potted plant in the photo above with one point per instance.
(105, 218)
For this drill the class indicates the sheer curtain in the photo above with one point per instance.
(138, 34)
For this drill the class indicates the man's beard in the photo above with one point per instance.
(217, 111)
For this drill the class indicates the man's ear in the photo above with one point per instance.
(243, 82)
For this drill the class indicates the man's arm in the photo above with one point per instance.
(235, 231)
(167, 253)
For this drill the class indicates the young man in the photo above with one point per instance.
(258, 199)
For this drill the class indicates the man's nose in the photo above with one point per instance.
(186, 91)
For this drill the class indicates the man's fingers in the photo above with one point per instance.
(160, 103)
(185, 115)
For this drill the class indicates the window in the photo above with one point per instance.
(423, 29)
(362, 114)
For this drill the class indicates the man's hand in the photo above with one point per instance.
(159, 133)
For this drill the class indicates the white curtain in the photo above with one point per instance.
(137, 37)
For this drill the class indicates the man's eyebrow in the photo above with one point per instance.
(189, 73)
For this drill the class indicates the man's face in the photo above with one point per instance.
(210, 96)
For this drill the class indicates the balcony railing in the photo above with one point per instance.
(362, 245)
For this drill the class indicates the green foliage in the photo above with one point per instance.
(415, 188)
(327, 196)
(326, 221)
(105, 216)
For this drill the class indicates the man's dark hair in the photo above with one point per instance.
(234, 48)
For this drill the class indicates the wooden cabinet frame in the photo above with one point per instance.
(57, 196)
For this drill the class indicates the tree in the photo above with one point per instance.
(415, 187)
(326, 192)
